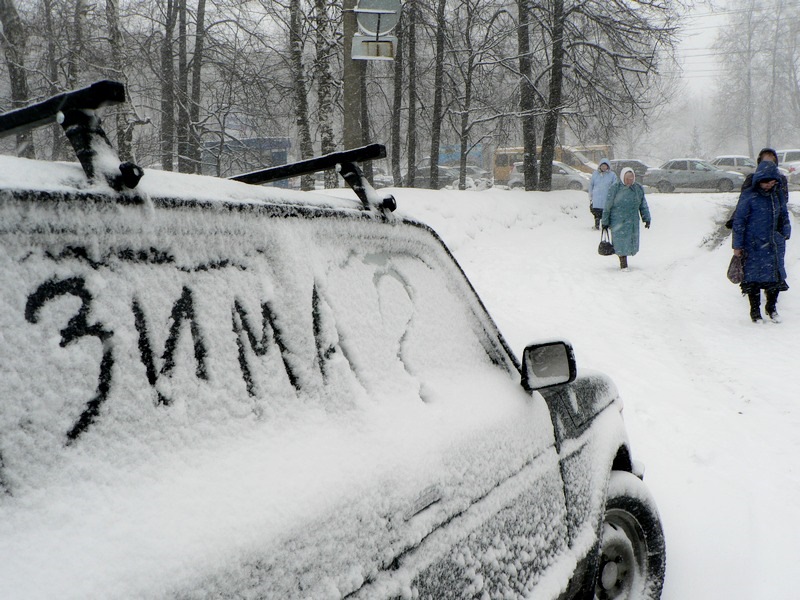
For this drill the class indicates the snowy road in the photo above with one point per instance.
(711, 399)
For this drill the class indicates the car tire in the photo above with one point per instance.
(575, 185)
(725, 185)
(665, 187)
(632, 550)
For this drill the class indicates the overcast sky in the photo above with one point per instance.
(699, 58)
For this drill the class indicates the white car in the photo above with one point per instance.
(790, 161)
(735, 162)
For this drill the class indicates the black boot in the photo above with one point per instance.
(772, 307)
(623, 262)
(755, 306)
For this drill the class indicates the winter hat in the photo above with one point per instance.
(766, 151)
(627, 170)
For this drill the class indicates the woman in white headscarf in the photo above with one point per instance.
(624, 204)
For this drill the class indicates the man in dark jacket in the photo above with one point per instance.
(761, 227)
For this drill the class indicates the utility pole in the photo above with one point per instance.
(351, 81)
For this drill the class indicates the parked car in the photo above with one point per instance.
(448, 176)
(735, 162)
(639, 167)
(564, 177)
(213, 389)
(692, 174)
(790, 161)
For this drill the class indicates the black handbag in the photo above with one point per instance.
(736, 270)
(606, 248)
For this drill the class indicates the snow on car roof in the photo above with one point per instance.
(68, 177)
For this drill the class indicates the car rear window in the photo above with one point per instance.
(119, 324)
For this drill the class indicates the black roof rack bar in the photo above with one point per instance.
(312, 165)
(99, 94)
(348, 169)
(75, 112)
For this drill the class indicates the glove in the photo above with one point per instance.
(605, 227)
(647, 224)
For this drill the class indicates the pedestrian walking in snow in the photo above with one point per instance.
(602, 180)
(624, 204)
(761, 227)
(782, 185)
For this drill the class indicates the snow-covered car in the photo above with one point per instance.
(735, 162)
(217, 389)
(692, 174)
(564, 177)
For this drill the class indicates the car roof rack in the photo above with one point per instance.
(75, 112)
(345, 164)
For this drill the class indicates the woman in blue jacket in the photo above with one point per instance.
(760, 229)
(602, 180)
(624, 205)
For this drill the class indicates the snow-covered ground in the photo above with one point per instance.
(711, 399)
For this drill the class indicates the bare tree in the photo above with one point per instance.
(300, 90)
(397, 101)
(168, 85)
(14, 41)
(527, 96)
(438, 86)
(411, 147)
(325, 49)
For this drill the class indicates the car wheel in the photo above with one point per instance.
(725, 185)
(575, 185)
(665, 187)
(632, 549)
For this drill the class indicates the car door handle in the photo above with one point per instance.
(429, 496)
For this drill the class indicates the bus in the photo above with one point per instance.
(583, 158)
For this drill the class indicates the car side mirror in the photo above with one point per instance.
(548, 364)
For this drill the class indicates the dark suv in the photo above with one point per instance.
(216, 389)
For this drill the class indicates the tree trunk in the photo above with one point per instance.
(526, 96)
(57, 133)
(350, 80)
(167, 139)
(437, 117)
(397, 103)
(325, 83)
(411, 148)
(184, 163)
(550, 134)
(76, 50)
(195, 147)
(300, 99)
(13, 41)
(123, 122)
(365, 130)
